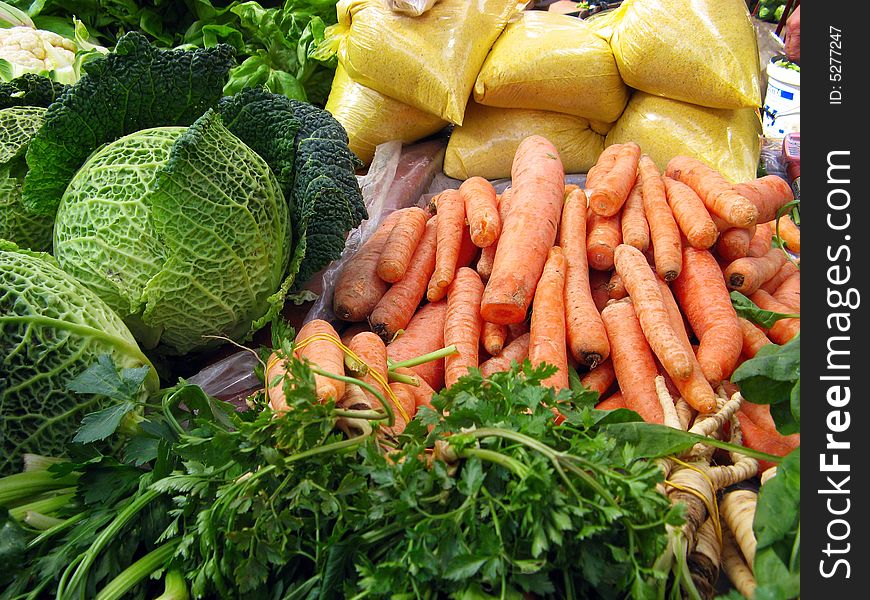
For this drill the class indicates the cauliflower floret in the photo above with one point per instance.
(30, 50)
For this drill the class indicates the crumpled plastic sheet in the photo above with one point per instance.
(231, 379)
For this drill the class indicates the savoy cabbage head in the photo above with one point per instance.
(52, 328)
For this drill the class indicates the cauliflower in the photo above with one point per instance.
(29, 50)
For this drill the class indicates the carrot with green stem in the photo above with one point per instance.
(450, 226)
(749, 273)
(547, 330)
(487, 255)
(462, 324)
(423, 392)
(516, 351)
(783, 330)
(664, 231)
(717, 193)
(612, 188)
(587, 338)
(753, 338)
(635, 229)
(690, 214)
(528, 233)
(701, 292)
(760, 243)
(632, 359)
(642, 286)
(481, 210)
(372, 352)
(423, 335)
(401, 244)
(397, 306)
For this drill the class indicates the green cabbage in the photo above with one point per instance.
(52, 328)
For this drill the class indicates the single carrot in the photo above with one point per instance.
(783, 330)
(587, 338)
(450, 225)
(493, 337)
(759, 245)
(663, 229)
(764, 440)
(635, 229)
(462, 324)
(612, 189)
(487, 255)
(424, 334)
(641, 284)
(373, 353)
(353, 329)
(600, 378)
(790, 233)
(603, 235)
(602, 165)
(633, 362)
(789, 293)
(547, 330)
(769, 194)
(529, 232)
(690, 214)
(753, 337)
(422, 393)
(599, 282)
(570, 187)
(785, 271)
(717, 193)
(358, 287)
(615, 287)
(481, 210)
(733, 243)
(516, 351)
(401, 244)
(704, 299)
(406, 397)
(612, 402)
(696, 390)
(397, 306)
(749, 273)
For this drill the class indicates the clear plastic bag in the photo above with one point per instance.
(231, 379)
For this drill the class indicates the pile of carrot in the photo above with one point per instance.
(624, 279)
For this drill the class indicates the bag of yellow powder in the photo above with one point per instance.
(429, 62)
(370, 118)
(727, 140)
(547, 61)
(704, 52)
(486, 142)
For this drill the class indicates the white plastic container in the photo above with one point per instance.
(782, 102)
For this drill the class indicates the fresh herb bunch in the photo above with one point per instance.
(482, 496)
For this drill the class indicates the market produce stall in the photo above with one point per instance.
(407, 299)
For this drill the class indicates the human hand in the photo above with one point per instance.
(793, 36)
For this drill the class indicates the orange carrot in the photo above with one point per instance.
(358, 287)
(733, 243)
(406, 397)
(643, 289)
(450, 225)
(602, 165)
(517, 350)
(786, 271)
(635, 229)
(663, 229)
(462, 324)
(603, 235)
(717, 193)
(515, 330)
(790, 233)
(749, 273)
(599, 282)
(615, 287)
(371, 350)
(612, 189)
(352, 330)
(600, 378)
(633, 361)
(547, 330)
(696, 390)
(422, 393)
(768, 194)
(481, 210)
(764, 440)
(398, 305)
(401, 244)
(487, 255)
(614, 401)
(783, 330)
(570, 187)
(493, 337)
(753, 337)
(789, 293)
(690, 214)
(704, 299)
(529, 232)
(587, 338)
(424, 334)
(759, 245)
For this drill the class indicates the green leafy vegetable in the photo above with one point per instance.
(773, 377)
(747, 309)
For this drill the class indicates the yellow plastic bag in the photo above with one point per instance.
(370, 118)
(429, 62)
(727, 140)
(547, 61)
(486, 143)
(704, 51)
